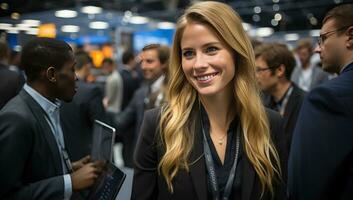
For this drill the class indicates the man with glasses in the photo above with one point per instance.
(321, 159)
(274, 66)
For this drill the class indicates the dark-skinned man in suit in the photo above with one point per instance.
(33, 160)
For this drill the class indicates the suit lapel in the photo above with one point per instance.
(197, 164)
(248, 179)
(291, 104)
(39, 114)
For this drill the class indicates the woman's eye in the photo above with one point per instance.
(211, 49)
(188, 54)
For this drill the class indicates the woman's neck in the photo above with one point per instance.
(220, 110)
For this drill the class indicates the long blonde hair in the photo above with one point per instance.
(175, 125)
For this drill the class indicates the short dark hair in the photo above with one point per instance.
(163, 52)
(342, 14)
(127, 56)
(41, 53)
(276, 54)
(108, 60)
(82, 58)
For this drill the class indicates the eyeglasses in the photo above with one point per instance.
(259, 69)
(322, 37)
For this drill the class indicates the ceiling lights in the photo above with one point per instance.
(315, 33)
(98, 25)
(70, 29)
(4, 26)
(66, 13)
(166, 25)
(31, 22)
(91, 9)
(291, 37)
(264, 32)
(138, 20)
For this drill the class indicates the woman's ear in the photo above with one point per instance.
(50, 74)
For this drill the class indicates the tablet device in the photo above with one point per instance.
(102, 142)
(108, 184)
(110, 181)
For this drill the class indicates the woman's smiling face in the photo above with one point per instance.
(207, 62)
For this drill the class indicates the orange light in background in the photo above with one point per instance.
(97, 57)
(107, 51)
(47, 30)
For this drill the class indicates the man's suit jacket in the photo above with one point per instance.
(290, 118)
(77, 118)
(317, 77)
(149, 184)
(10, 84)
(321, 159)
(291, 111)
(130, 85)
(129, 121)
(30, 162)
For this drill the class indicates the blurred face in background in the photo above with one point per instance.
(266, 79)
(107, 68)
(151, 66)
(304, 55)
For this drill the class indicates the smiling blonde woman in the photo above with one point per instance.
(213, 139)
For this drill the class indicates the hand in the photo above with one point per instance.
(85, 176)
(80, 163)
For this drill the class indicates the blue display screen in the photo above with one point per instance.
(160, 36)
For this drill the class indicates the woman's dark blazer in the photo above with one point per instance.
(192, 184)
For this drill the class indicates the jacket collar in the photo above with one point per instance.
(347, 68)
(197, 159)
(39, 114)
(198, 168)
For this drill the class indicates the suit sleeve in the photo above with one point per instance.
(146, 162)
(279, 140)
(125, 119)
(322, 144)
(16, 141)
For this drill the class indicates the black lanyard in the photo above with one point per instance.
(211, 169)
(282, 107)
(63, 151)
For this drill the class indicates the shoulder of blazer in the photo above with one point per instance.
(274, 117)
(151, 118)
(298, 95)
(276, 127)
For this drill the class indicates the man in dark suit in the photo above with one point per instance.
(154, 62)
(274, 66)
(77, 116)
(321, 159)
(33, 159)
(10, 83)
